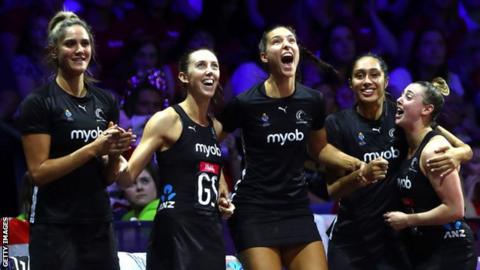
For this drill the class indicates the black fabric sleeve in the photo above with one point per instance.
(114, 112)
(34, 116)
(332, 126)
(230, 117)
(319, 108)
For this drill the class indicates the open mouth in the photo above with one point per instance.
(399, 112)
(287, 58)
(208, 82)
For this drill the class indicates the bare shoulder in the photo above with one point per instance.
(166, 118)
(165, 125)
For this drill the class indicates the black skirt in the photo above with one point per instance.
(186, 241)
(252, 226)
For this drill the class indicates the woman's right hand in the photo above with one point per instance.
(113, 141)
(374, 171)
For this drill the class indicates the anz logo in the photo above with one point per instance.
(454, 230)
(167, 198)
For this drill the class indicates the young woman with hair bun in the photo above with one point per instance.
(72, 149)
(432, 217)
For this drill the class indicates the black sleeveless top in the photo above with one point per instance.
(190, 170)
(418, 195)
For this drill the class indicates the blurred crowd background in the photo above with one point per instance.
(139, 42)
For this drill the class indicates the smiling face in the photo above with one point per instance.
(411, 107)
(203, 73)
(74, 51)
(368, 80)
(281, 53)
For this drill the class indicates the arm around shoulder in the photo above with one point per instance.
(448, 189)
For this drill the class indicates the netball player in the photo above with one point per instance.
(72, 149)
(432, 214)
(187, 232)
(273, 225)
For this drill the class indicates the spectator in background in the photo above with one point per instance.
(468, 62)
(471, 183)
(245, 76)
(30, 68)
(427, 61)
(12, 162)
(340, 50)
(146, 95)
(142, 196)
(428, 14)
(143, 58)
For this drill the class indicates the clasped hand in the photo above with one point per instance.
(114, 140)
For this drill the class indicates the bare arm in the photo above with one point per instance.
(122, 142)
(328, 154)
(44, 170)
(161, 131)
(387, 43)
(447, 188)
(339, 186)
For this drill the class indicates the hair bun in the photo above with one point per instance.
(441, 85)
(60, 17)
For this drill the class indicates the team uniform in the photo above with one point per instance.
(448, 246)
(70, 220)
(359, 237)
(187, 232)
(272, 208)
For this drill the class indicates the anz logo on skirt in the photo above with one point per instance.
(454, 230)
(167, 198)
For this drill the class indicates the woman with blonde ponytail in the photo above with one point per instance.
(432, 219)
(72, 150)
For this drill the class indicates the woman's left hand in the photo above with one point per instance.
(444, 162)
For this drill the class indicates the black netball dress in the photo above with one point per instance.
(271, 199)
(359, 237)
(447, 246)
(187, 231)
